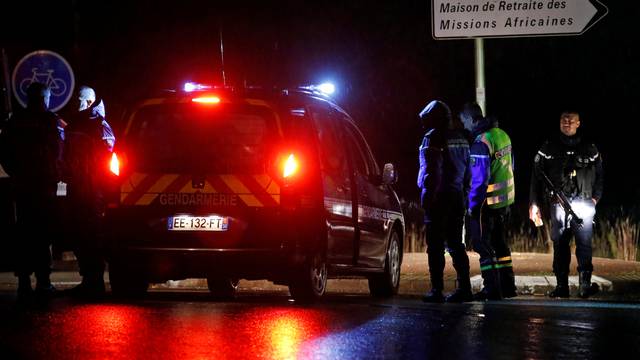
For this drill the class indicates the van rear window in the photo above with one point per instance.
(183, 138)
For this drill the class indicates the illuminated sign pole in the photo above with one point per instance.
(479, 19)
(481, 97)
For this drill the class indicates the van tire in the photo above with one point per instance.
(387, 283)
(126, 283)
(309, 282)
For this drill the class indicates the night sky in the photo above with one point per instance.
(380, 54)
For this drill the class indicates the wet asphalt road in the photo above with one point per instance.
(189, 325)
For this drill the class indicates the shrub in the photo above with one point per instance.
(616, 236)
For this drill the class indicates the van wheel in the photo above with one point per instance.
(221, 287)
(387, 283)
(126, 283)
(309, 283)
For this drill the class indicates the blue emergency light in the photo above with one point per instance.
(191, 86)
(326, 88)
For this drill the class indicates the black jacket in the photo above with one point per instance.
(88, 142)
(444, 173)
(574, 167)
(30, 150)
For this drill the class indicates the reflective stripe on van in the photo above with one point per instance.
(218, 190)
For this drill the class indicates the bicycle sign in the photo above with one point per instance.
(46, 67)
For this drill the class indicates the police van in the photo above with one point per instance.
(233, 184)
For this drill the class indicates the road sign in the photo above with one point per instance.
(456, 19)
(48, 68)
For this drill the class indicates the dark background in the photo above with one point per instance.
(381, 55)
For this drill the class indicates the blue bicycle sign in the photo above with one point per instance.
(45, 67)
(57, 85)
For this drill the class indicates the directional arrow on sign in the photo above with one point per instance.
(455, 19)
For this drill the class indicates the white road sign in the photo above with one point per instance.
(455, 19)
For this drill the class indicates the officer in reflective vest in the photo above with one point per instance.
(492, 192)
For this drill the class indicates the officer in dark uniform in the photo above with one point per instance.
(88, 143)
(30, 147)
(574, 166)
(490, 198)
(444, 180)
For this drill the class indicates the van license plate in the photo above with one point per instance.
(198, 223)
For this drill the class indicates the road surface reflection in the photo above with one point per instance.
(190, 331)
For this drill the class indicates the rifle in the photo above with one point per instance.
(562, 200)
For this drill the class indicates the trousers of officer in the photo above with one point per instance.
(86, 214)
(34, 211)
(487, 232)
(444, 229)
(562, 230)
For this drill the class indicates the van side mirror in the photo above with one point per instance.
(389, 174)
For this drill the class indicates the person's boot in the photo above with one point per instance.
(99, 288)
(562, 287)
(508, 282)
(25, 292)
(492, 289)
(434, 296)
(437, 284)
(587, 288)
(44, 289)
(462, 293)
(459, 295)
(91, 288)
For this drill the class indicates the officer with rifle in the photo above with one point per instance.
(568, 179)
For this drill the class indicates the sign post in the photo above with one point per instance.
(46, 67)
(478, 19)
(481, 98)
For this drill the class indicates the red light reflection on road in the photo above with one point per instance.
(101, 331)
(279, 333)
(286, 337)
(179, 331)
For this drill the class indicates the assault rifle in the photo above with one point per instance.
(562, 200)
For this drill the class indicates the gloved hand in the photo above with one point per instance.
(535, 215)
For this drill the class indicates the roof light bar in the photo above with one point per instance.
(190, 86)
(326, 88)
(206, 100)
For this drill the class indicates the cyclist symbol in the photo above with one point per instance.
(57, 85)
(46, 67)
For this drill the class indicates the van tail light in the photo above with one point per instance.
(295, 169)
(288, 169)
(112, 183)
(114, 164)
(290, 166)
